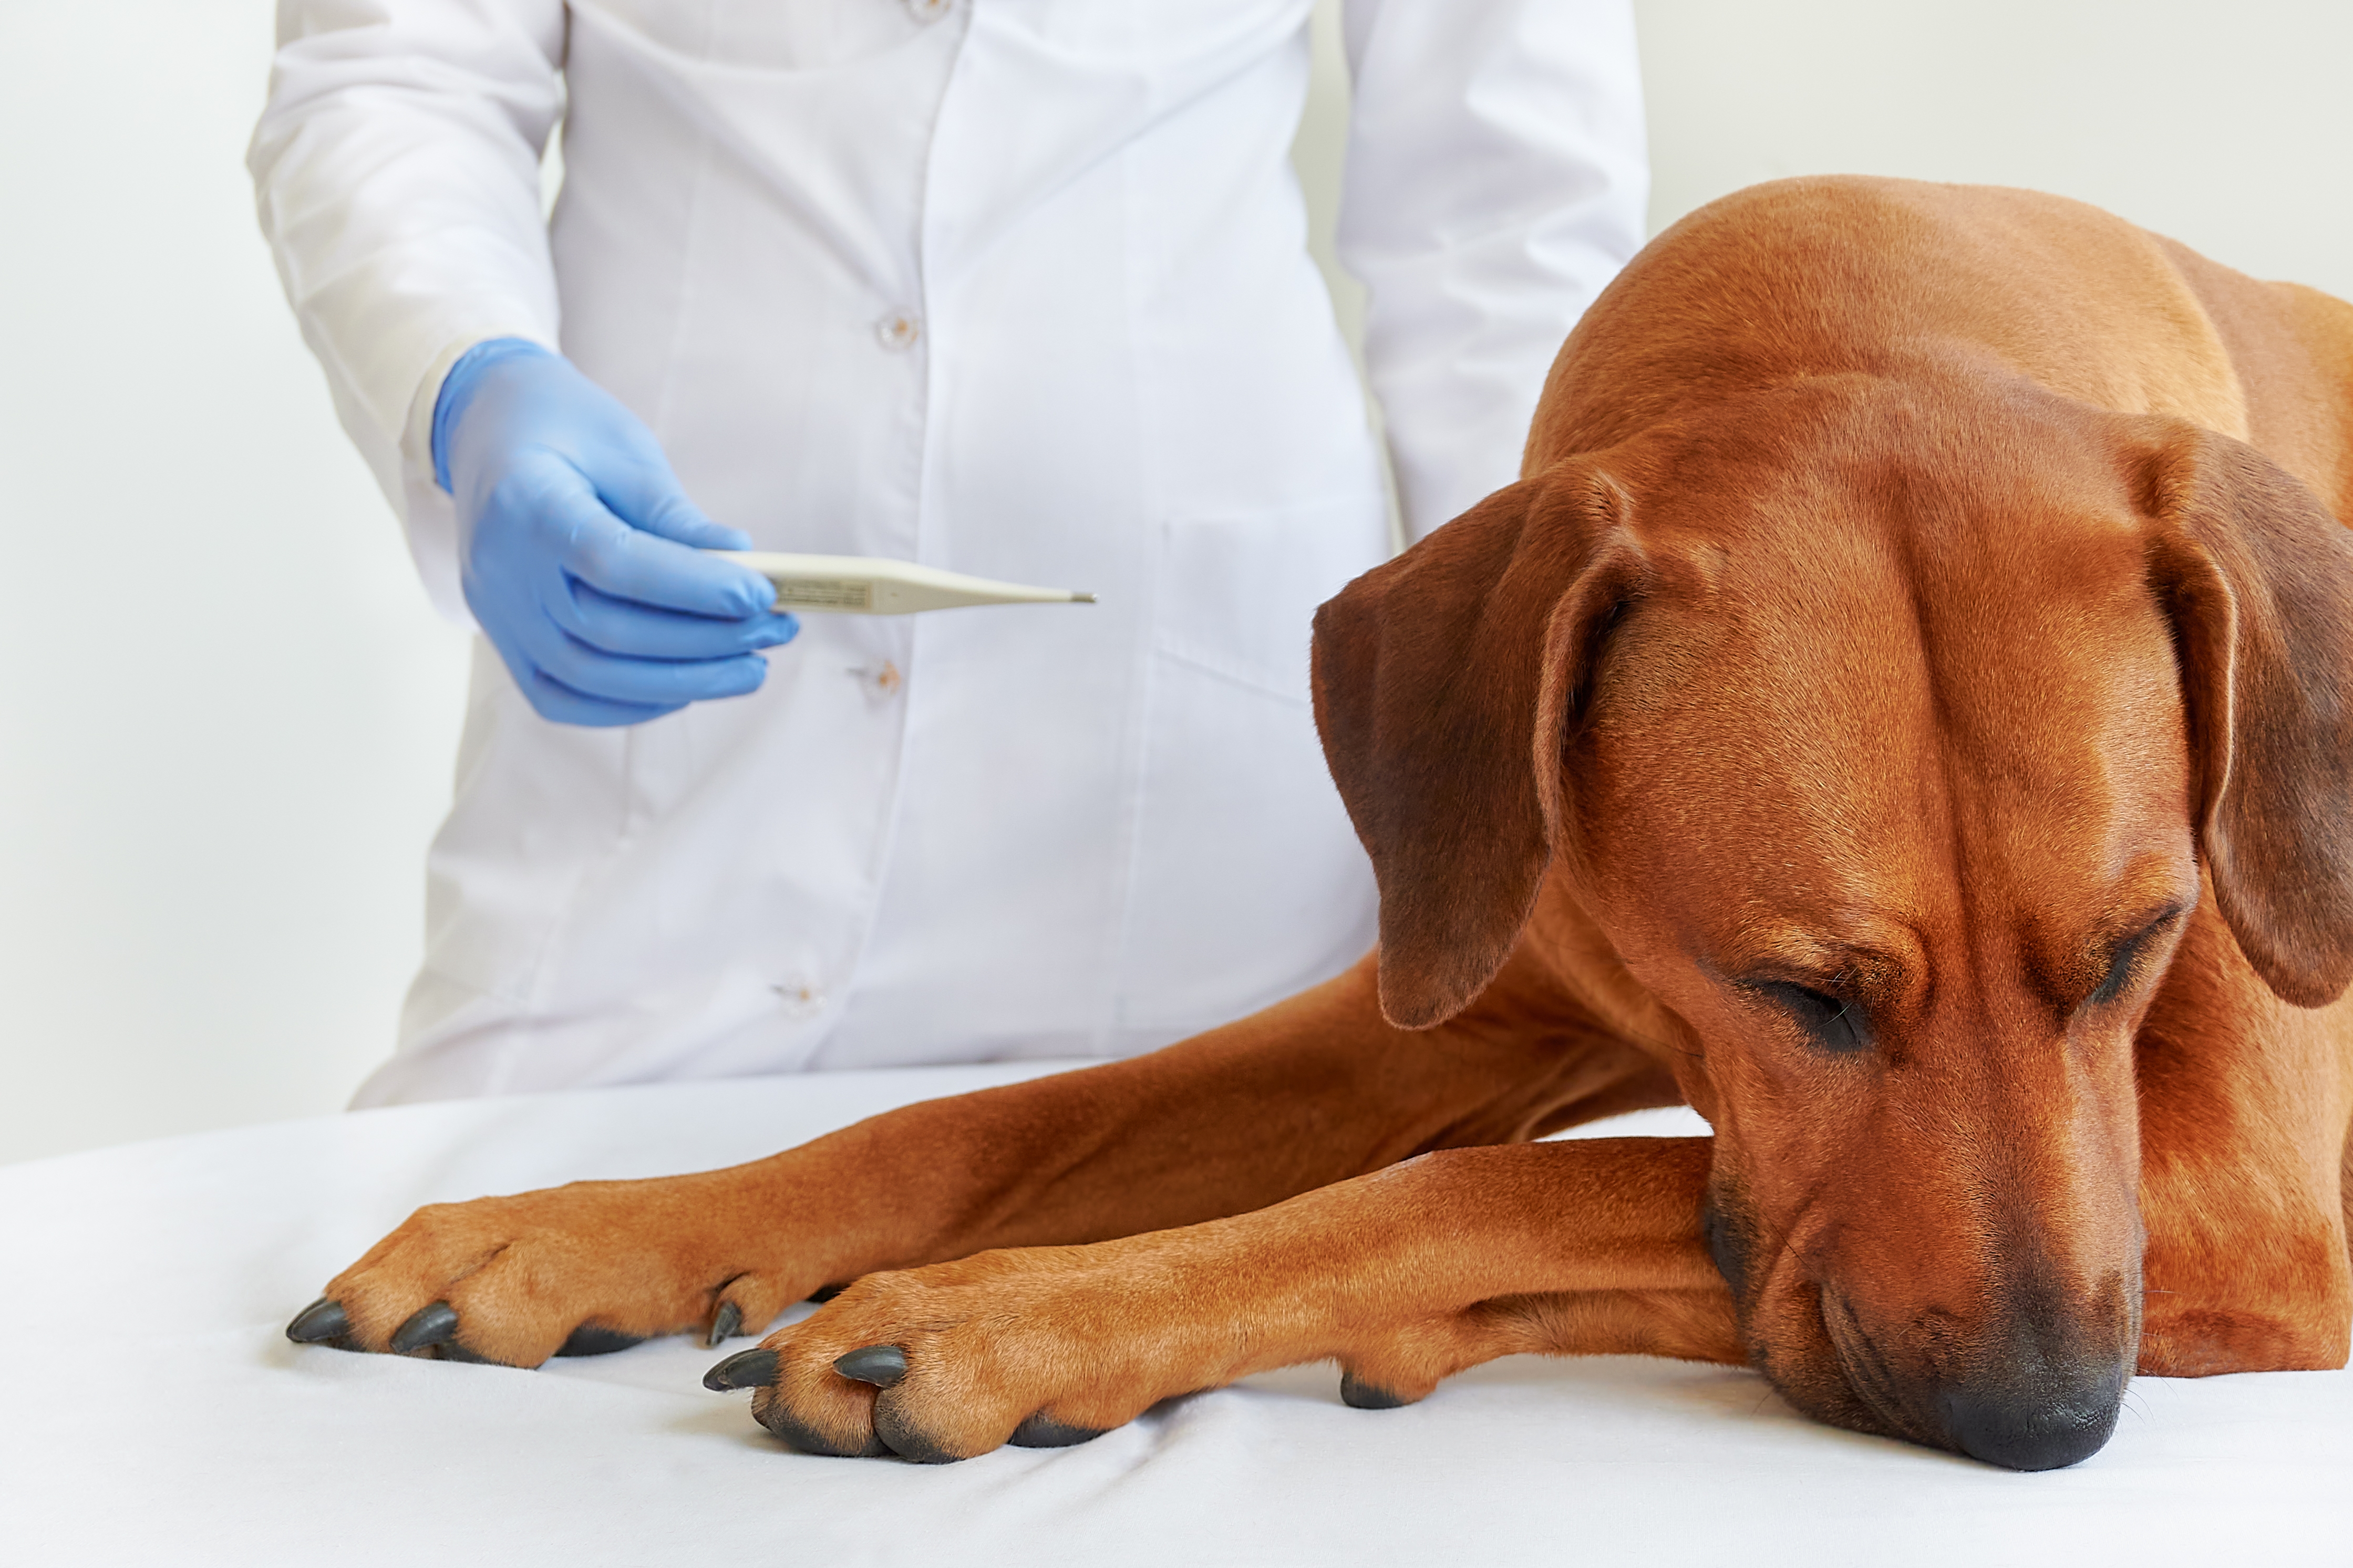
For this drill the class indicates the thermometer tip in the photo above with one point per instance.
(1079, 598)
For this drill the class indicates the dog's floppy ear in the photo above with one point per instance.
(1445, 682)
(2257, 577)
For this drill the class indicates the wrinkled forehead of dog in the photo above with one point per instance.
(1866, 626)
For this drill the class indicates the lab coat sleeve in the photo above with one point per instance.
(1496, 179)
(397, 171)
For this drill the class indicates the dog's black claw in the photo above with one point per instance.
(590, 1340)
(882, 1366)
(431, 1325)
(1039, 1432)
(320, 1321)
(745, 1369)
(450, 1350)
(723, 1325)
(1365, 1396)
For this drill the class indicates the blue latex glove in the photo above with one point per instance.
(574, 547)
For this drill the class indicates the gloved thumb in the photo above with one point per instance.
(646, 496)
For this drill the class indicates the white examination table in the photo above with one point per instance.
(152, 1412)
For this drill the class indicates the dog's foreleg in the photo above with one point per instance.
(1311, 1091)
(1403, 1276)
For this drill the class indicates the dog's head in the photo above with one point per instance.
(1885, 736)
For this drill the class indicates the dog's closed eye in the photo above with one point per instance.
(1834, 1026)
(2125, 963)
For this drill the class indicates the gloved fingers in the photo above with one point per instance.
(640, 631)
(558, 703)
(648, 682)
(626, 562)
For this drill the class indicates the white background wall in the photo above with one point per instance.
(225, 713)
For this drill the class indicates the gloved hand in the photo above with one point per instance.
(573, 547)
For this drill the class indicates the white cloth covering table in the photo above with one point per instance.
(154, 1414)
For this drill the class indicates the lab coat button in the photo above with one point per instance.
(884, 681)
(899, 330)
(929, 10)
(800, 996)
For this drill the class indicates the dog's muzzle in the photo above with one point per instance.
(2037, 1398)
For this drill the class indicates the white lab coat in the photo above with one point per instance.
(1016, 288)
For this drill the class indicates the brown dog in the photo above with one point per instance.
(1904, 713)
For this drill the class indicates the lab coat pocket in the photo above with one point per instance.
(1248, 882)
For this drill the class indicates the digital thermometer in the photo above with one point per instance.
(873, 585)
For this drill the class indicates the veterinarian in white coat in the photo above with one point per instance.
(1016, 288)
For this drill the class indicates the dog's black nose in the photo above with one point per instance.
(2033, 1430)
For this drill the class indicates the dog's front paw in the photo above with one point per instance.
(1040, 1347)
(576, 1271)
